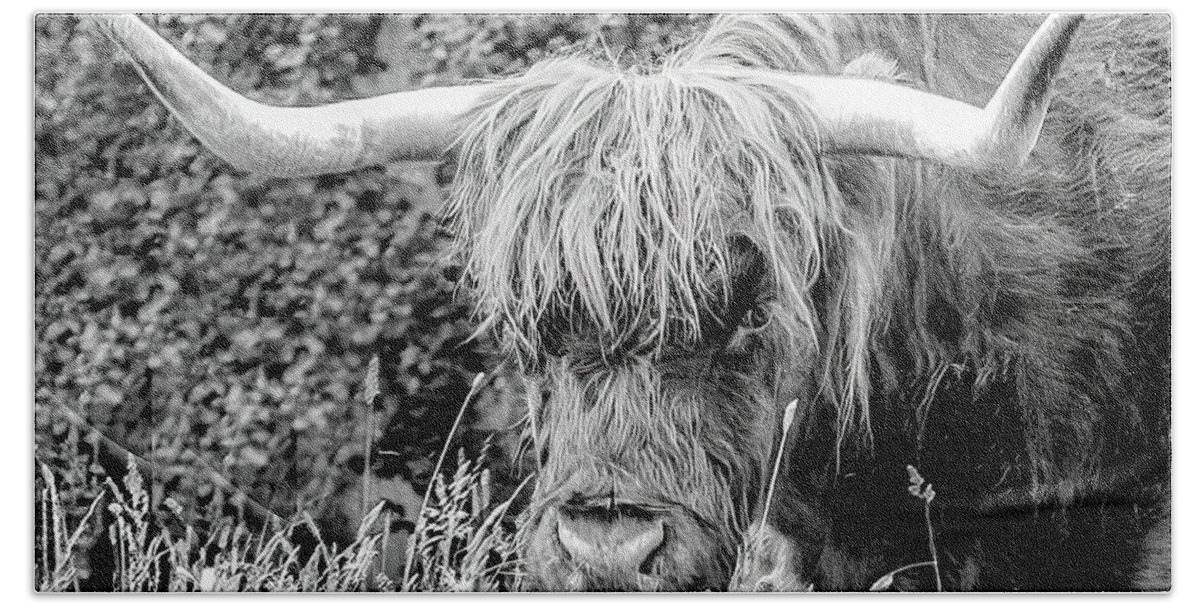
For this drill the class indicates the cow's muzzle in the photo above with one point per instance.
(621, 538)
(616, 546)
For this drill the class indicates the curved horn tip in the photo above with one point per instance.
(897, 121)
(1018, 107)
(1057, 31)
(1064, 20)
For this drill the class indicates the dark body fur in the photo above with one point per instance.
(1007, 333)
(1022, 355)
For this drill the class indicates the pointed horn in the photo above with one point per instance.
(289, 142)
(872, 117)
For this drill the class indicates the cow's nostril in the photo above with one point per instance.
(611, 543)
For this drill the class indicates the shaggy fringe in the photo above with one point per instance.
(603, 201)
(599, 201)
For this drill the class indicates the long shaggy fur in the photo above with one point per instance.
(607, 199)
(617, 207)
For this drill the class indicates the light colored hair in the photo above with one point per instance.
(607, 198)
(598, 198)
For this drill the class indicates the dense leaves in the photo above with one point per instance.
(217, 323)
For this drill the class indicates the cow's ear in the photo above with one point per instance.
(875, 66)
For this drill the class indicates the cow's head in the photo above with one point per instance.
(665, 252)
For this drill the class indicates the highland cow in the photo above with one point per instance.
(808, 209)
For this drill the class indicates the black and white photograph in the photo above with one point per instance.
(602, 302)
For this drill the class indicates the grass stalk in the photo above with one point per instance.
(476, 384)
(789, 414)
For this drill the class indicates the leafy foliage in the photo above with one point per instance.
(212, 321)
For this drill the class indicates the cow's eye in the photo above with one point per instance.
(755, 319)
(752, 323)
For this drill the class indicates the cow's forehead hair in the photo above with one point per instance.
(609, 197)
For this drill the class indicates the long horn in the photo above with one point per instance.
(872, 117)
(290, 142)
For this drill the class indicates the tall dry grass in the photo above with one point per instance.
(460, 543)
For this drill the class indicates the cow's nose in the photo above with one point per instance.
(610, 540)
